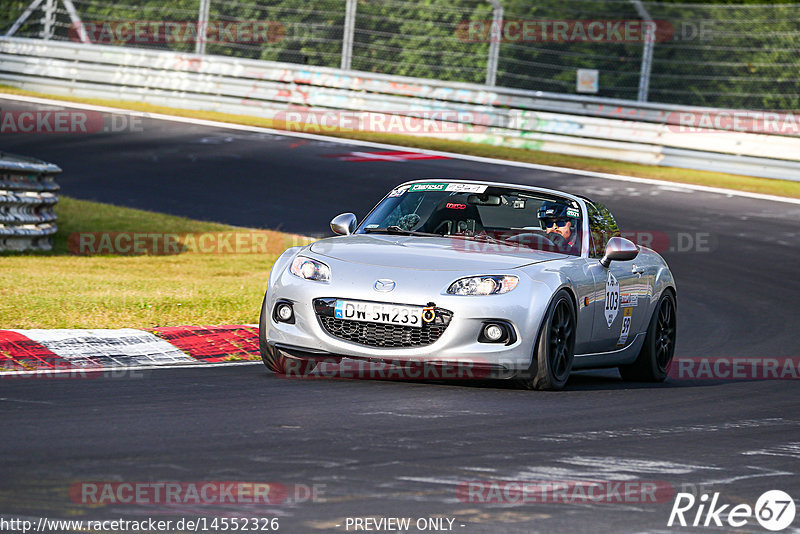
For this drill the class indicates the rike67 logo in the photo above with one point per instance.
(774, 510)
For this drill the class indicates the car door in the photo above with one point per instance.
(618, 315)
(621, 314)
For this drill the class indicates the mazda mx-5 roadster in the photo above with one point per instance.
(484, 279)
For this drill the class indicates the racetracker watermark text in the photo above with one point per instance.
(589, 30)
(420, 122)
(735, 368)
(565, 31)
(172, 32)
(733, 121)
(533, 242)
(65, 370)
(564, 491)
(416, 369)
(66, 121)
(175, 493)
(158, 243)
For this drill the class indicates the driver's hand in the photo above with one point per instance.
(558, 240)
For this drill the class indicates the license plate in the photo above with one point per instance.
(373, 312)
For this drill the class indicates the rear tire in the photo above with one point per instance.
(269, 354)
(659, 345)
(553, 356)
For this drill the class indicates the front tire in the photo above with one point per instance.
(269, 355)
(659, 345)
(555, 348)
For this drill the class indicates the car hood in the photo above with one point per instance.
(429, 253)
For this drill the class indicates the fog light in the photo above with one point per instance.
(493, 332)
(284, 312)
(497, 331)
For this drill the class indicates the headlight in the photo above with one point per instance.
(483, 285)
(310, 269)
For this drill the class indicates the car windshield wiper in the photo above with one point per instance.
(479, 237)
(399, 231)
(482, 237)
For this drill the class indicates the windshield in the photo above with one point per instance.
(473, 211)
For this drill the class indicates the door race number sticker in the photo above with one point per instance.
(612, 298)
(627, 315)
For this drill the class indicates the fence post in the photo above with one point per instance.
(49, 21)
(76, 21)
(647, 50)
(347, 35)
(202, 27)
(22, 18)
(48, 31)
(495, 36)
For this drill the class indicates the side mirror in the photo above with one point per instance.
(619, 249)
(344, 224)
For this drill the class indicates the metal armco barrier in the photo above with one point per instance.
(568, 124)
(27, 197)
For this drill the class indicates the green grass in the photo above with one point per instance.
(63, 290)
(713, 179)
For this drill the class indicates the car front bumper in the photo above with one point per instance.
(458, 346)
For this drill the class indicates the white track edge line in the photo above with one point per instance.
(452, 155)
(94, 370)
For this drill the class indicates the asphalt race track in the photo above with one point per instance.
(401, 449)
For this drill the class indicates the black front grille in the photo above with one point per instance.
(381, 335)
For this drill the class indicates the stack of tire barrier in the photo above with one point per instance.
(27, 197)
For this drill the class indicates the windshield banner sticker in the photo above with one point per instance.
(466, 188)
(398, 192)
(428, 187)
(455, 188)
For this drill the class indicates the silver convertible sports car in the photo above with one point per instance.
(488, 279)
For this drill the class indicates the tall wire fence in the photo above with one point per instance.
(723, 55)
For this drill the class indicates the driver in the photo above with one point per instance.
(561, 225)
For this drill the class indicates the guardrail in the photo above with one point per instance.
(27, 197)
(585, 126)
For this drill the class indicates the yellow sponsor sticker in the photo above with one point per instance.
(627, 316)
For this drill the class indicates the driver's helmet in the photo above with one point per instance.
(551, 211)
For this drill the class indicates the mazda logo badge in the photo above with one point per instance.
(384, 284)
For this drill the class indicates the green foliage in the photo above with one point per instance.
(719, 53)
